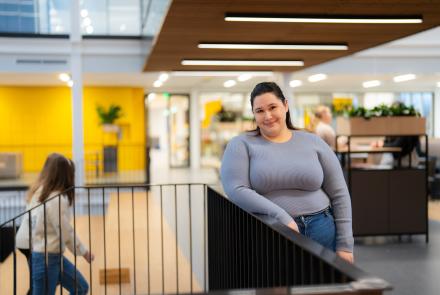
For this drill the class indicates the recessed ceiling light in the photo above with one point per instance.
(151, 97)
(244, 77)
(274, 46)
(89, 30)
(84, 12)
(295, 83)
(342, 19)
(438, 84)
(268, 63)
(163, 77)
(372, 83)
(229, 83)
(219, 73)
(157, 83)
(403, 78)
(317, 77)
(64, 77)
(70, 83)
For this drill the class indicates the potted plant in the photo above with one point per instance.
(397, 119)
(108, 117)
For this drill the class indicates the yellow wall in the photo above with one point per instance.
(37, 121)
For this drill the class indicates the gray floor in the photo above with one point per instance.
(411, 266)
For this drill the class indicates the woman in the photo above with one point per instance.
(54, 188)
(322, 125)
(289, 174)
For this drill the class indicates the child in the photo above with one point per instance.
(54, 186)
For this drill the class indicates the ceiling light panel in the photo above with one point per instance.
(274, 46)
(403, 78)
(268, 63)
(372, 83)
(295, 83)
(229, 83)
(336, 19)
(317, 77)
(244, 77)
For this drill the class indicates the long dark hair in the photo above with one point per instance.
(270, 87)
(58, 175)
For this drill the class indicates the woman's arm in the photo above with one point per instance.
(236, 183)
(336, 188)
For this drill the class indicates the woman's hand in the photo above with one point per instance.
(89, 256)
(293, 226)
(348, 256)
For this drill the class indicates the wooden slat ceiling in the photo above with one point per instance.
(190, 22)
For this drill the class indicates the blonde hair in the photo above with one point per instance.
(316, 117)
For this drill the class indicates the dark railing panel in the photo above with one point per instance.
(249, 252)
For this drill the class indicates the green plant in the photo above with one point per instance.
(397, 109)
(226, 116)
(109, 116)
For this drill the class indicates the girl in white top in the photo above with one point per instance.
(50, 233)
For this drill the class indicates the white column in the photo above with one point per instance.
(195, 137)
(77, 93)
(437, 112)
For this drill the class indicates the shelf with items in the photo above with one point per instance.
(386, 199)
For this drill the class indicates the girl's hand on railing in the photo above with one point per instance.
(348, 256)
(293, 226)
(89, 256)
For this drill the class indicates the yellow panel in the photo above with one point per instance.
(38, 120)
(211, 108)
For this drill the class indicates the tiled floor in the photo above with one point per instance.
(411, 266)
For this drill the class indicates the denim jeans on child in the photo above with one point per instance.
(319, 227)
(67, 278)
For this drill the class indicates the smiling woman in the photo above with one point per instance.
(289, 174)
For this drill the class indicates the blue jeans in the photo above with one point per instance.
(54, 276)
(319, 227)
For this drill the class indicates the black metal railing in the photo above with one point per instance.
(185, 238)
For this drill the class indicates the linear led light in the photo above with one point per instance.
(403, 78)
(336, 19)
(268, 63)
(274, 46)
(220, 73)
(317, 77)
(295, 83)
(372, 83)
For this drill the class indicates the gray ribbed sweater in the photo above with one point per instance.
(293, 178)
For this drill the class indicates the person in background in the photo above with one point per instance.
(289, 174)
(51, 230)
(322, 125)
